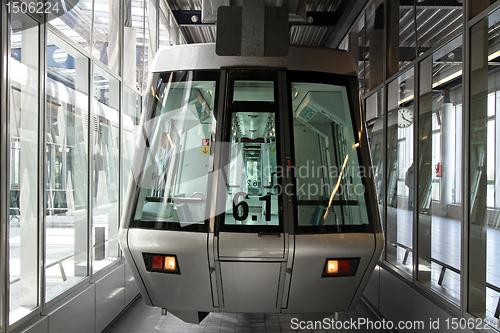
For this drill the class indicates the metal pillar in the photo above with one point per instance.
(478, 168)
(4, 169)
(447, 154)
(377, 50)
(28, 175)
(114, 36)
(425, 171)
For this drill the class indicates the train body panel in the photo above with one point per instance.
(252, 189)
(309, 291)
(191, 289)
(303, 58)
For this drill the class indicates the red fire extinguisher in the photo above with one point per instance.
(438, 170)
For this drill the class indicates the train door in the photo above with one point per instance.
(251, 237)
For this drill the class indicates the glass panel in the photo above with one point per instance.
(174, 176)
(478, 6)
(434, 23)
(484, 174)
(253, 91)
(357, 42)
(400, 172)
(134, 72)
(76, 22)
(24, 191)
(326, 162)
(373, 58)
(66, 152)
(407, 42)
(146, 57)
(131, 118)
(105, 124)
(164, 29)
(376, 127)
(440, 152)
(106, 31)
(252, 182)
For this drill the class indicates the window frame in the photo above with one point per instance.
(350, 82)
(151, 103)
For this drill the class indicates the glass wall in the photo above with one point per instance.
(66, 153)
(24, 172)
(484, 170)
(400, 172)
(62, 175)
(457, 161)
(440, 170)
(97, 28)
(105, 168)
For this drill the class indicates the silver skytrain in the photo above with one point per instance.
(251, 188)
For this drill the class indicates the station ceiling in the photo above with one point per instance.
(325, 20)
(329, 20)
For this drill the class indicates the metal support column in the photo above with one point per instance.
(423, 164)
(4, 169)
(478, 168)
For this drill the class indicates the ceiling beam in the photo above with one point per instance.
(431, 4)
(193, 18)
(350, 11)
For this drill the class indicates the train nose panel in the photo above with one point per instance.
(252, 245)
(250, 286)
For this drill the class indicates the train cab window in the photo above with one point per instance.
(330, 191)
(177, 138)
(253, 91)
(252, 196)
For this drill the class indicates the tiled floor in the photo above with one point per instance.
(140, 318)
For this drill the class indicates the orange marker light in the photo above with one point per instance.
(170, 264)
(157, 262)
(332, 267)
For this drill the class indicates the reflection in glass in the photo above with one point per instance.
(357, 42)
(439, 169)
(430, 27)
(400, 172)
(24, 191)
(136, 48)
(75, 23)
(484, 171)
(105, 124)
(171, 170)
(406, 42)
(164, 29)
(66, 167)
(106, 29)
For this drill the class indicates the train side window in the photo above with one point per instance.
(177, 136)
(330, 191)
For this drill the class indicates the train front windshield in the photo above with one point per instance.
(175, 174)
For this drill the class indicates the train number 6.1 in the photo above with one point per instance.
(240, 209)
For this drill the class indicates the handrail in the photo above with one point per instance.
(58, 262)
(446, 266)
